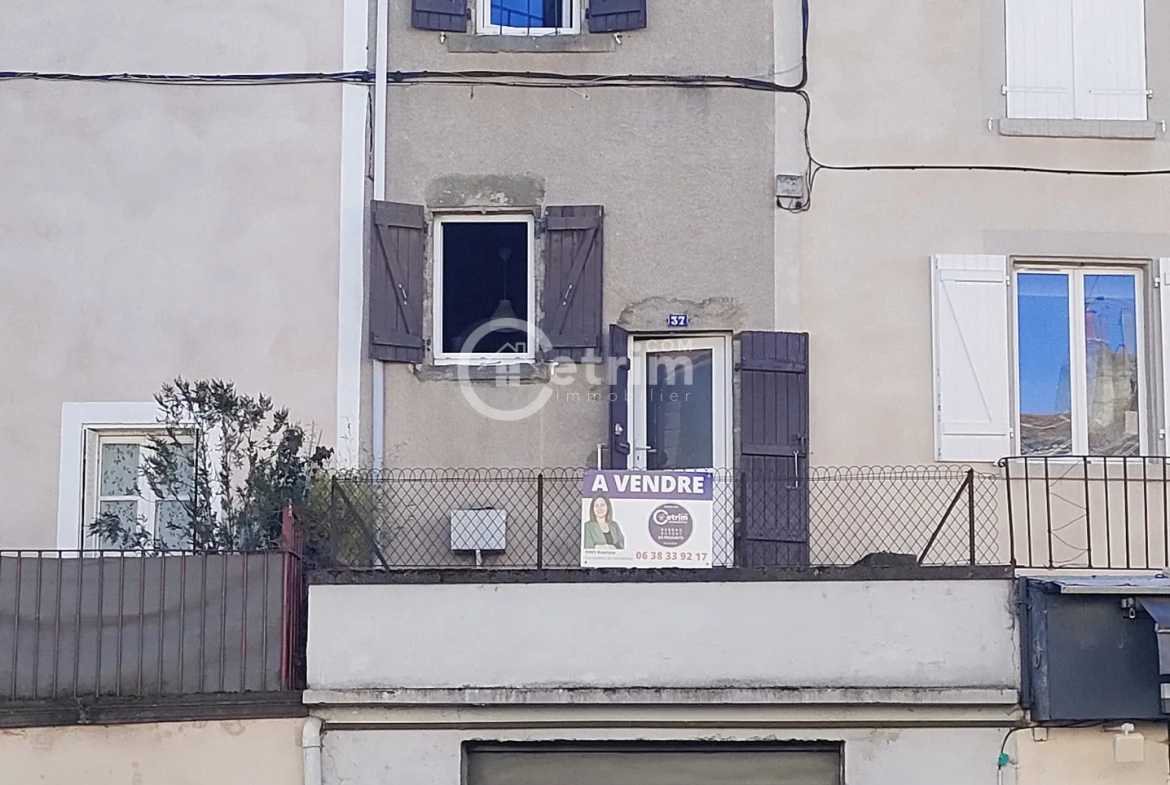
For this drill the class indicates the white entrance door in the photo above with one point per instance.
(680, 413)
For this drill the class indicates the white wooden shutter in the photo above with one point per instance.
(971, 388)
(1164, 321)
(1110, 57)
(1040, 59)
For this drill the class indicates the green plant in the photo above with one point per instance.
(234, 461)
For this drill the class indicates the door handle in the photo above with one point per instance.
(645, 448)
(795, 472)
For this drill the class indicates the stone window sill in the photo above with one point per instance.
(1080, 129)
(473, 44)
(500, 375)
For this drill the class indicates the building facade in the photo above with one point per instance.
(1027, 86)
(471, 241)
(518, 679)
(155, 230)
(622, 169)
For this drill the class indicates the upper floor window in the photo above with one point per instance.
(484, 293)
(1080, 361)
(1049, 358)
(528, 17)
(1076, 59)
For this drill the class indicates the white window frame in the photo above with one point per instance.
(1077, 370)
(77, 420)
(145, 499)
(467, 358)
(484, 26)
(642, 347)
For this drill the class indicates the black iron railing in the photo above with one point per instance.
(403, 519)
(1088, 512)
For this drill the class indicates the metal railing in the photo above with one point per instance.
(402, 519)
(1088, 512)
(102, 624)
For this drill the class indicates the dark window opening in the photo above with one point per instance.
(485, 288)
(528, 13)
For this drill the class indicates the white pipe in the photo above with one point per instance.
(311, 750)
(355, 99)
(381, 65)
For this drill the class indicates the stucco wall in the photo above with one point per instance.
(887, 756)
(1068, 755)
(181, 753)
(799, 634)
(685, 177)
(151, 231)
(926, 96)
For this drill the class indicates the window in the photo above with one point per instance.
(116, 486)
(528, 17)
(1080, 361)
(484, 295)
(1076, 59)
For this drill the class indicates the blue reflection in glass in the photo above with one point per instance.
(527, 13)
(1044, 349)
(1111, 364)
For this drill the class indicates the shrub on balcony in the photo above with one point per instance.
(234, 461)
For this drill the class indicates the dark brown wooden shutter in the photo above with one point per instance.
(619, 385)
(396, 282)
(574, 249)
(614, 16)
(774, 422)
(449, 16)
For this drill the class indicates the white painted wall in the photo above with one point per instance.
(149, 231)
(886, 756)
(1063, 756)
(799, 634)
(231, 752)
(931, 93)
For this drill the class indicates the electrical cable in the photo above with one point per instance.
(816, 166)
(544, 79)
(351, 77)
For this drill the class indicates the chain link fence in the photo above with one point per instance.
(532, 518)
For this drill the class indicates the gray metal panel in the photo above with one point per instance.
(574, 260)
(479, 530)
(647, 767)
(1159, 608)
(397, 256)
(156, 625)
(1109, 584)
(1088, 660)
(774, 430)
(612, 16)
(448, 16)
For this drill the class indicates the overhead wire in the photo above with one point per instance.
(544, 79)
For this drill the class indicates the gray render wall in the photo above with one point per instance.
(685, 177)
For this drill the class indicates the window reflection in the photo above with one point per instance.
(1111, 364)
(1044, 351)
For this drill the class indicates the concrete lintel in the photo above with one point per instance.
(676, 696)
(703, 719)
